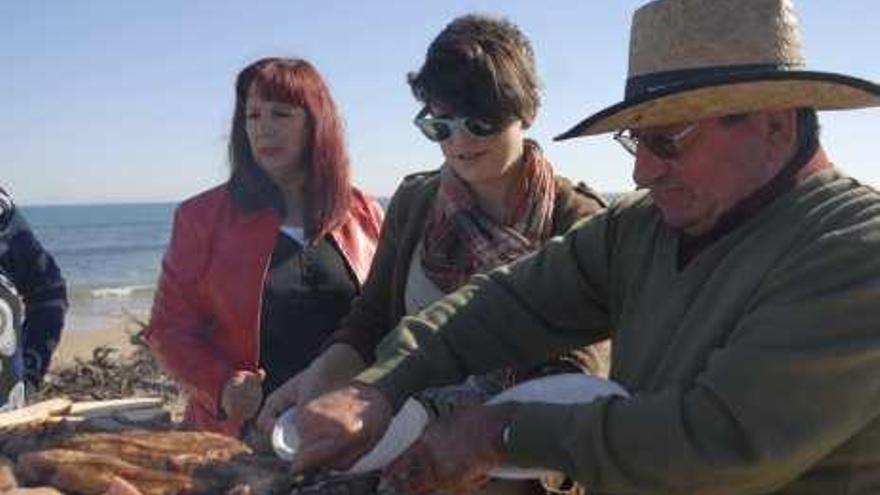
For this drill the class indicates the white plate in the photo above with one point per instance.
(410, 421)
(567, 388)
(405, 428)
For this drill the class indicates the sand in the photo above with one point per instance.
(81, 343)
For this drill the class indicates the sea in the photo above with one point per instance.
(110, 255)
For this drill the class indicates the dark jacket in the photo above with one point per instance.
(381, 304)
(38, 282)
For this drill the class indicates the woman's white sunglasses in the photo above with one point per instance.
(439, 129)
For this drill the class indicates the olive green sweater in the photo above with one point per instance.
(754, 369)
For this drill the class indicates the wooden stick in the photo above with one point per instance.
(34, 412)
(92, 409)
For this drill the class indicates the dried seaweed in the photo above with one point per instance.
(110, 374)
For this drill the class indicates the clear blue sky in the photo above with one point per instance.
(114, 101)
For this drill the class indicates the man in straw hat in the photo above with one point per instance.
(741, 287)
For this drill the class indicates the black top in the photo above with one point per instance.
(307, 291)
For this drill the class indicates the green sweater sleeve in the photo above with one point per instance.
(795, 382)
(518, 314)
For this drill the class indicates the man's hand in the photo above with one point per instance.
(334, 368)
(336, 429)
(242, 395)
(453, 455)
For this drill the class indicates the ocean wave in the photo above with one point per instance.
(110, 249)
(124, 291)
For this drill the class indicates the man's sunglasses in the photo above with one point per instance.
(439, 129)
(661, 146)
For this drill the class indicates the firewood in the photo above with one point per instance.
(70, 458)
(170, 450)
(91, 474)
(40, 490)
(90, 409)
(36, 412)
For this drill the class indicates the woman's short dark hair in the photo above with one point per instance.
(328, 184)
(480, 66)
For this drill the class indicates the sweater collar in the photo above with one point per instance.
(805, 162)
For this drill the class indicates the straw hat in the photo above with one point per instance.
(694, 59)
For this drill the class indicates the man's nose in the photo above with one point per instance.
(648, 168)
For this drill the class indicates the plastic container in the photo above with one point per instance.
(410, 421)
(405, 428)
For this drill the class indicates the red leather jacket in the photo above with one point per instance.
(206, 314)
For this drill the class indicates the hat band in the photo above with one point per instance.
(665, 82)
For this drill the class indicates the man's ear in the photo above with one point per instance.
(781, 134)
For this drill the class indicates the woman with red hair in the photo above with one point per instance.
(261, 268)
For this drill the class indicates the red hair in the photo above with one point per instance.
(327, 190)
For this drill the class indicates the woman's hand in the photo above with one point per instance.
(284, 397)
(332, 369)
(242, 395)
(336, 429)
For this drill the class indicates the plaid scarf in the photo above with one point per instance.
(461, 240)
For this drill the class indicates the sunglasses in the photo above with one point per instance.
(662, 146)
(439, 129)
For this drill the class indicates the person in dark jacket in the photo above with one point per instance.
(495, 198)
(29, 277)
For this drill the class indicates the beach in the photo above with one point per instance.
(81, 343)
(110, 256)
(106, 363)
